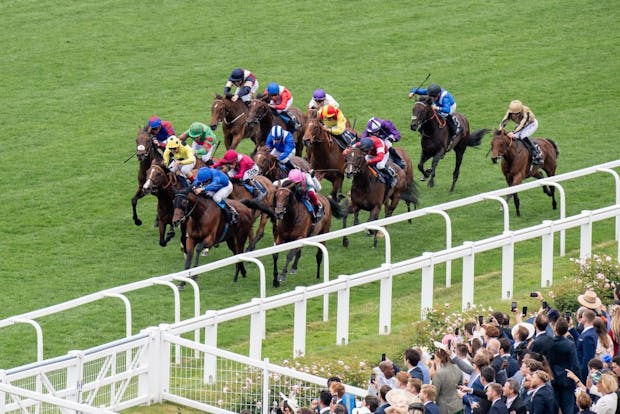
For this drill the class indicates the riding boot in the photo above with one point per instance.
(289, 165)
(230, 213)
(535, 153)
(388, 176)
(396, 158)
(319, 212)
(294, 120)
(452, 130)
(260, 190)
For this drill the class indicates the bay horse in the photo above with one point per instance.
(270, 167)
(516, 162)
(261, 118)
(325, 155)
(294, 222)
(207, 227)
(162, 183)
(232, 115)
(368, 193)
(434, 141)
(146, 152)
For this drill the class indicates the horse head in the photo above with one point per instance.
(218, 111)
(144, 144)
(422, 111)
(314, 132)
(282, 200)
(263, 159)
(354, 161)
(181, 205)
(500, 144)
(157, 177)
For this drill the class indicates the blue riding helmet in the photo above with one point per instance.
(154, 122)
(273, 89)
(434, 90)
(277, 132)
(366, 144)
(236, 75)
(203, 175)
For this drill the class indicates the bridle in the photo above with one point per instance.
(256, 119)
(353, 160)
(280, 209)
(186, 213)
(223, 113)
(148, 147)
(270, 169)
(157, 169)
(427, 118)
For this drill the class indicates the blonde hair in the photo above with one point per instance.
(615, 322)
(544, 377)
(584, 401)
(609, 381)
(430, 391)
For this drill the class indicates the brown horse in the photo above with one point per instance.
(434, 142)
(294, 222)
(207, 227)
(325, 155)
(270, 167)
(261, 118)
(163, 184)
(240, 192)
(232, 115)
(369, 193)
(146, 152)
(516, 162)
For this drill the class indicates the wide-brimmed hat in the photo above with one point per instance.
(526, 325)
(400, 398)
(589, 300)
(439, 345)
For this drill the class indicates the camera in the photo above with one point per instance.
(383, 357)
(524, 311)
(568, 315)
(545, 305)
(456, 331)
(335, 399)
(480, 319)
(534, 295)
(373, 377)
(513, 307)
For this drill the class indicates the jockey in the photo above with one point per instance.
(242, 168)
(246, 84)
(183, 159)
(309, 185)
(335, 123)
(525, 126)
(215, 184)
(280, 100)
(282, 144)
(320, 98)
(387, 131)
(204, 141)
(160, 131)
(444, 104)
(377, 156)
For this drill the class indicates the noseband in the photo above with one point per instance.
(260, 116)
(186, 213)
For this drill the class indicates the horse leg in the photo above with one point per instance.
(431, 177)
(199, 248)
(347, 211)
(289, 257)
(276, 282)
(295, 262)
(259, 233)
(457, 166)
(517, 202)
(425, 173)
(319, 259)
(134, 206)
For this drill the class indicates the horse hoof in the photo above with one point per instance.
(293, 271)
(282, 278)
(423, 178)
(276, 284)
(181, 286)
(345, 243)
(204, 252)
(137, 222)
(163, 243)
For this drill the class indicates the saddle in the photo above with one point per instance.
(345, 140)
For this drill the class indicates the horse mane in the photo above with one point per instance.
(425, 99)
(263, 97)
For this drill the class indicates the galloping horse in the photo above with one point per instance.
(206, 226)
(369, 193)
(261, 118)
(270, 167)
(434, 134)
(163, 184)
(146, 151)
(516, 162)
(325, 155)
(294, 222)
(232, 115)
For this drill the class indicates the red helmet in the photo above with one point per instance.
(329, 111)
(230, 156)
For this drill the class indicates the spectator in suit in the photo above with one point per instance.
(586, 344)
(370, 403)
(514, 402)
(494, 395)
(428, 394)
(337, 390)
(496, 361)
(541, 399)
(325, 400)
(542, 342)
(348, 399)
(615, 366)
(383, 404)
(563, 356)
(412, 359)
(423, 366)
(522, 332)
(487, 376)
(446, 376)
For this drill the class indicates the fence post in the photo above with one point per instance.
(257, 328)
(342, 318)
(385, 302)
(426, 301)
(210, 360)
(585, 244)
(74, 377)
(508, 268)
(266, 403)
(468, 277)
(156, 379)
(546, 262)
(299, 330)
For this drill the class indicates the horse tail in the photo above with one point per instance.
(256, 205)
(337, 210)
(555, 147)
(475, 138)
(411, 194)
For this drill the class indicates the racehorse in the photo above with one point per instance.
(163, 184)
(369, 193)
(325, 155)
(270, 167)
(207, 227)
(434, 142)
(146, 152)
(240, 192)
(261, 118)
(232, 115)
(294, 222)
(516, 162)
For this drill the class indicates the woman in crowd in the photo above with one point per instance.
(446, 376)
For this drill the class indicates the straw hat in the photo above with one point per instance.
(589, 300)
(526, 325)
(400, 399)
(439, 345)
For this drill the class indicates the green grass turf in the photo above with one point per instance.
(78, 78)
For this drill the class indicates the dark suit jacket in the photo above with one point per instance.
(499, 407)
(563, 356)
(586, 348)
(483, 403)
(543, 401)
(382, 407)
(430, 408)
(518, 406)
(542, 344)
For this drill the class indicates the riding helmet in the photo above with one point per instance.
(374, 125)
(328, 111)
(154, 122)
(273, 89)
(366, 144)
(196, 129)
(276, 132)
(515, 107)
(318, 94)
(230, 156)
(296, 175)
(236, 75)
(173, 142)
(434, 90)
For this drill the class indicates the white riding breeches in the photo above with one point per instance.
(528, 131)
(277, 154)
(222, 193)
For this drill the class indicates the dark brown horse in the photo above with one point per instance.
(146, 152)
(261, 118)
(232, 115)
(207, 227)
(163, 184)
(325, 155)
(294, 222)
(369, 193)
(434, 132)
(516, 162)
(270, 167)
